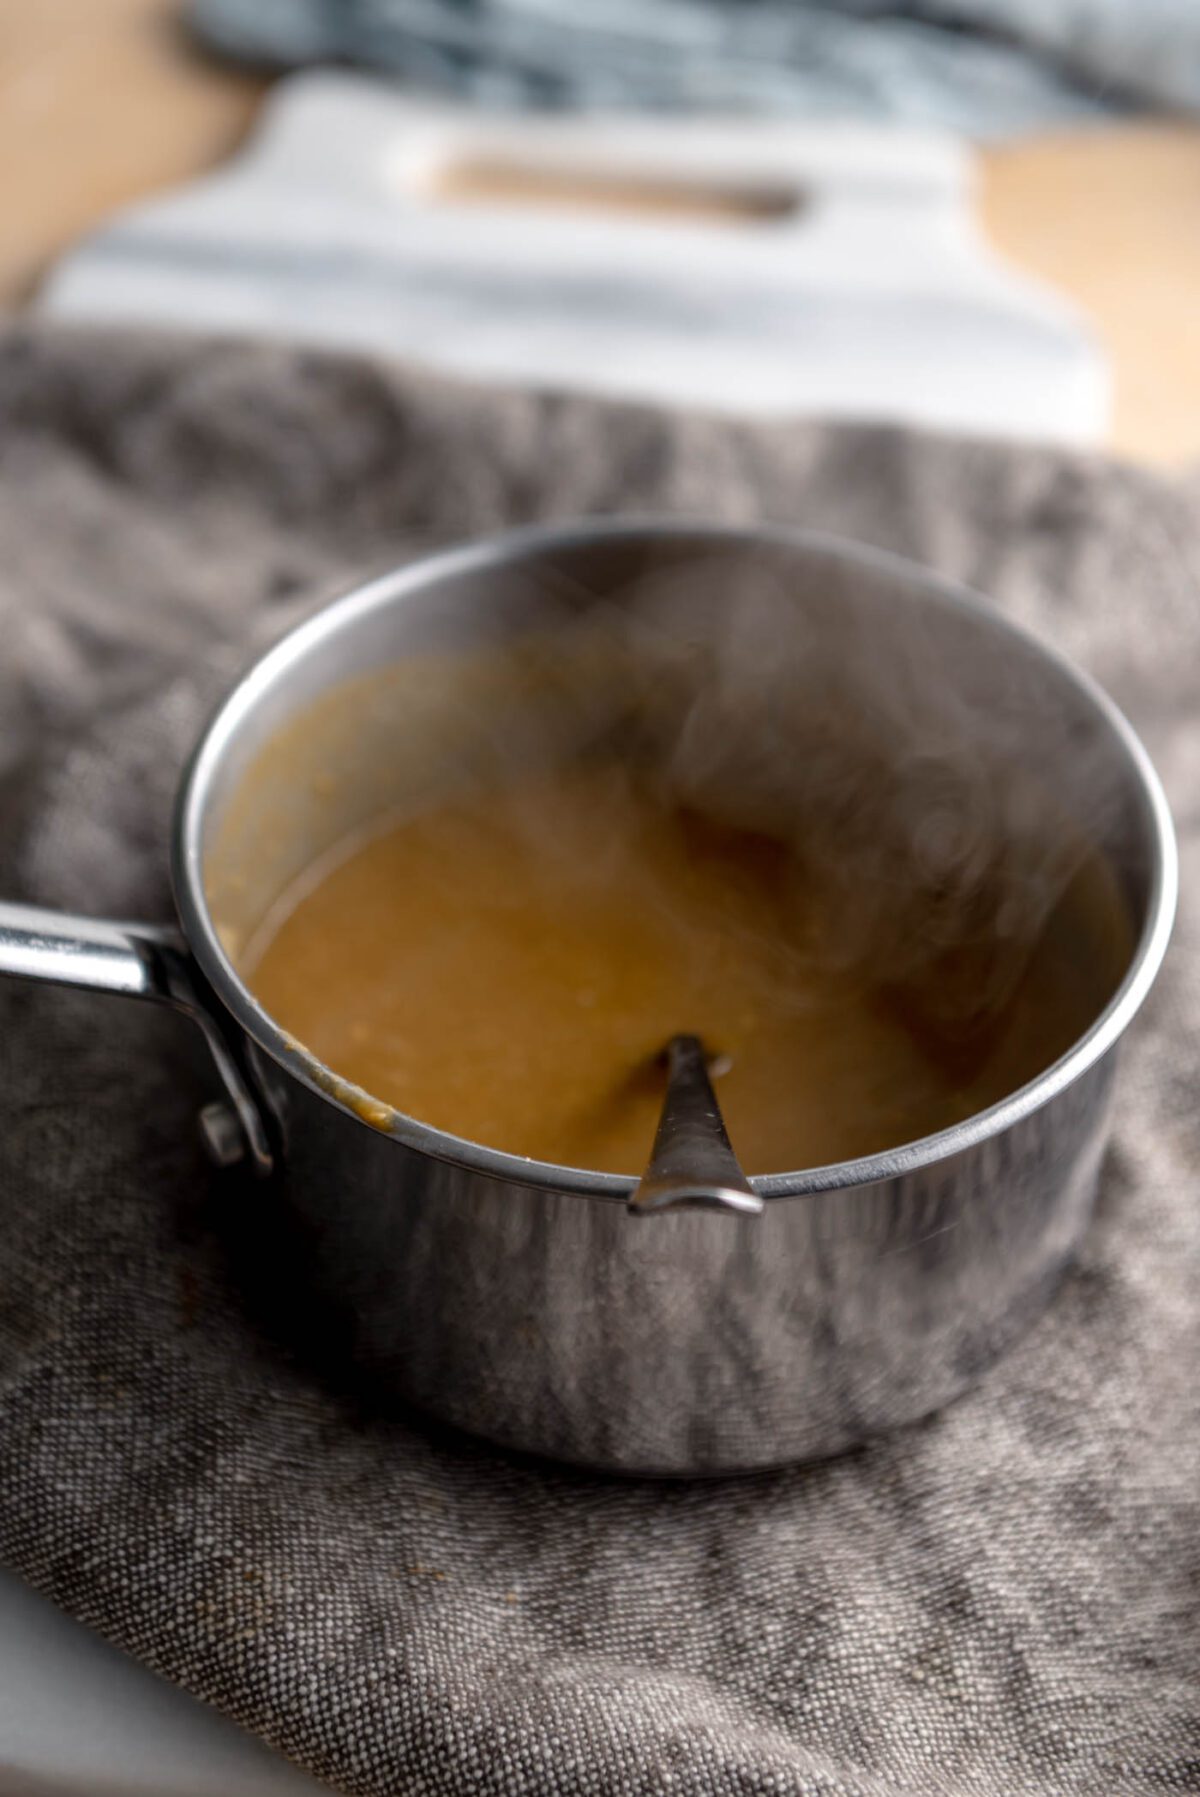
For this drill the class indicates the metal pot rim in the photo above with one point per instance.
(187, 858)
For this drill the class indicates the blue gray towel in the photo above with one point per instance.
(984, 67)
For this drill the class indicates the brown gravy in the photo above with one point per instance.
(508, 965)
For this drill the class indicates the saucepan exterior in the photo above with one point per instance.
(523, 1301)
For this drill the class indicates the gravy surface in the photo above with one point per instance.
(508, 967)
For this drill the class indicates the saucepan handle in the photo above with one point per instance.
(141, 961)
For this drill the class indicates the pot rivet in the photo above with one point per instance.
(222, 1134)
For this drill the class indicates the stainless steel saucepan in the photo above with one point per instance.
(524, 1301)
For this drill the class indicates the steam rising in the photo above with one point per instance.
(873, 759)
(899, 804)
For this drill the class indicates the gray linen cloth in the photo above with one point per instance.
(1001, 1600)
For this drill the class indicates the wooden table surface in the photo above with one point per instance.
(104, 101)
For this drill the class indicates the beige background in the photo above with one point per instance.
(102, 101)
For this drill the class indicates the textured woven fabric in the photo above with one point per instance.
(1001, 1600)
(984, 67)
